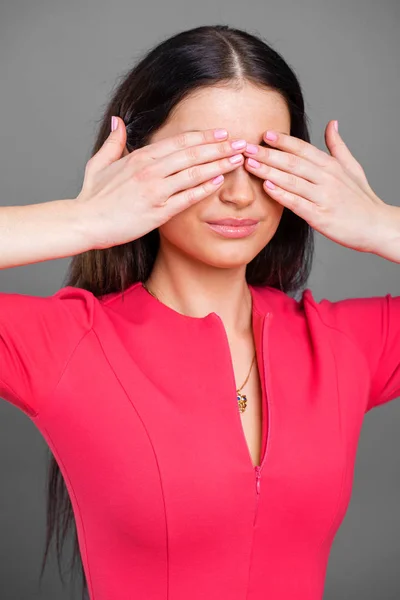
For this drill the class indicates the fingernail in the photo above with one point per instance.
(251, 148)
(270, 135)
(237, 158)
(219, 134)
(114, 123)
(238, 144)
(336, 124)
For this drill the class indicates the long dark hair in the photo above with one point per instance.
(144, 99)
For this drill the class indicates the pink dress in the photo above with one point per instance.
(138, 405)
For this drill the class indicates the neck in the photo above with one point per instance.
(198, 291)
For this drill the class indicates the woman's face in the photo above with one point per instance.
(247, 114)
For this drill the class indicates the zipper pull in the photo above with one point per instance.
(258, 477)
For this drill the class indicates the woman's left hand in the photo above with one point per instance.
(330, 192)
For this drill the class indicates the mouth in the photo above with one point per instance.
(234, 228)
(234, 222)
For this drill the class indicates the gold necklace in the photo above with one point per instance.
(241, 398)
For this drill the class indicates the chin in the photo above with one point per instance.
(227, 258)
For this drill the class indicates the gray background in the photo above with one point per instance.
(58, 63)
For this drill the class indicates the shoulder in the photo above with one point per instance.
(70, 304)
(349, 314)
(361, 318)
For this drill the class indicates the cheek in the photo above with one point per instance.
(182, 229)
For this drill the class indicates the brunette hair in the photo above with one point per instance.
(197, 58)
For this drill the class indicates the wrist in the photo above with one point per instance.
(85, 224)
(388, 233)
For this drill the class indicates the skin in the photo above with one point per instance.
(197, 271)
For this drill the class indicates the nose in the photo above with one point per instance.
(238, 188)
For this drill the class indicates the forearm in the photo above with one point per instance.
(39, 232)
(388, 234)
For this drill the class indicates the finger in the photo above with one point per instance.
(112, 148)
(290, 163)
(299, 147)
(287, 181)
(338, 148)
(300, 206)
(180, 141)
(196, 155)
(186, 198)
(200, 173)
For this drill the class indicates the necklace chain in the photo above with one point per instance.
(241, 398)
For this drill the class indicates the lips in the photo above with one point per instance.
(234, 222)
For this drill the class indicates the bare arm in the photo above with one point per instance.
(117, 203)
(39, 232)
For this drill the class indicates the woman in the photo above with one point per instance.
(203, 421)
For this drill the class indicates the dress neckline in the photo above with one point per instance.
(160, 307)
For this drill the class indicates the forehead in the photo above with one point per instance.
(245, 112)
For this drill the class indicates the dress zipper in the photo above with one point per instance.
(258, 478)
(258, 468)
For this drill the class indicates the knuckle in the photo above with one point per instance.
(267, 153)
(143, 174)
(224, 148)
(293, 161)
(143, 152)
(301, 149)
(192, 153)
(193, 173)
(181, 140)
(292, 180)
(191, 196)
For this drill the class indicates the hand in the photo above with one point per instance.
(126, 195)
(331, 193)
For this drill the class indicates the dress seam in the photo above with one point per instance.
(152, 446)
(345, 467)
(353, 342)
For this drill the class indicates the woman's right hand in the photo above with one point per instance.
(126, 195)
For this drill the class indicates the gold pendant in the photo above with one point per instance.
(242, 401)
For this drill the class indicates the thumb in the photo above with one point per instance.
(338, 149)
(114, 146)
(336, 145)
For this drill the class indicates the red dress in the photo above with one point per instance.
(138, 405)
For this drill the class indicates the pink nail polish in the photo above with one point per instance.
(236, 158)
(238, 144)
(270, 135)
(251, 149)
(220, 134)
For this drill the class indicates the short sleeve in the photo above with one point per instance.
(374, 325)
(37, 337)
